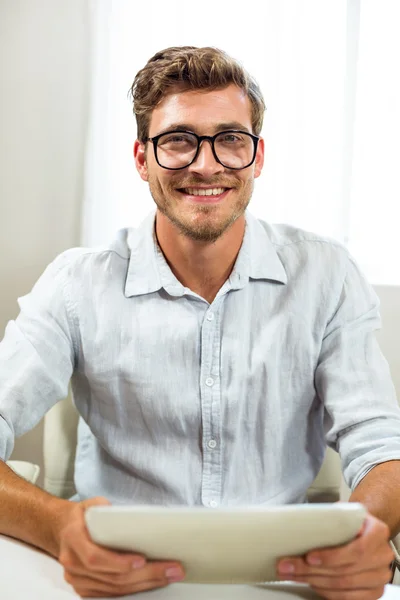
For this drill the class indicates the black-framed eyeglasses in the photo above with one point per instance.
(233, 149)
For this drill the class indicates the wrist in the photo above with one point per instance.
(59, 511)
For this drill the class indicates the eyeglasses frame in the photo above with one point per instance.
(200, 138)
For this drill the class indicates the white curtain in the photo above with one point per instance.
(329, 73)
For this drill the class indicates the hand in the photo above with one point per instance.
(94, 571)
(358, 570)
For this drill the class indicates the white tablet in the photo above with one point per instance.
(225, 545)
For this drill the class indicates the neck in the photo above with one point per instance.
(203, 267)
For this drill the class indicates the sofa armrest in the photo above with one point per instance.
(395, 543)
(24, 469)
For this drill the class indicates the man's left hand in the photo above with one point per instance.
(356, 571)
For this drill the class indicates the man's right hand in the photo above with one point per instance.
(94, 571)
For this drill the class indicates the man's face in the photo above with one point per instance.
(201, 218)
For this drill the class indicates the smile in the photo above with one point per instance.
(204, 191)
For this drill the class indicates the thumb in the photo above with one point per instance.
(367, 526)
(98, 501)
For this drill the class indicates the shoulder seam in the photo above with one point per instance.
(90, 251)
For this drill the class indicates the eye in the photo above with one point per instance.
(230, 138)
(177, 139)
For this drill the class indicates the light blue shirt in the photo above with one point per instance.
(186, 402)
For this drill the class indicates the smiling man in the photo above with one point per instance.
(201, 174)
(212, 356)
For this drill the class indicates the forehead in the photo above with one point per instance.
(203, 111)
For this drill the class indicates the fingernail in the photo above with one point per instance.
(286, 567)
(174, 574)
(138, 563)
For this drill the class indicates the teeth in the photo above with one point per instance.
(203, 192)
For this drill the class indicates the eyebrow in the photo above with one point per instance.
(191, 128)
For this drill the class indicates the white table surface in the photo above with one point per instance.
(29, 574)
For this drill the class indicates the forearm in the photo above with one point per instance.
(28, 513)
(379, 492)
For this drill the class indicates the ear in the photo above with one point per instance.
(140, 160)
(259, 162)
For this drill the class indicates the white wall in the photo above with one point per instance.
(43, 103)
(44, 71)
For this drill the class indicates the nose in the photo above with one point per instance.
(205, 163)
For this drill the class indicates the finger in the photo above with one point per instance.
(171, 571)
(87, 588)
(368, 580)
(118, 584)
(351, 594)
(75, 566)
(298, 565)
(96, 501)
(356, 557)
(89, 556)
(339, 557)
(373, 537)
(96, 558)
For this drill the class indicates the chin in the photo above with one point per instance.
(212, 230)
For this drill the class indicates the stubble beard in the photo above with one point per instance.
(201, 230)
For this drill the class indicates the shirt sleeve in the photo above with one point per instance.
(37, 354)
(362, 415)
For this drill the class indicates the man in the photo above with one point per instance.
(212, 355)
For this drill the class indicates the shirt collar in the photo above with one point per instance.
(148, 271)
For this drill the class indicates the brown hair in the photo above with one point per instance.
(194, 68)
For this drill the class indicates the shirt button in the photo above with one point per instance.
(209, 381)
(212, 444)
(210, 316)
(213, 504)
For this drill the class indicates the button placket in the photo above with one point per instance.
(210, 398)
